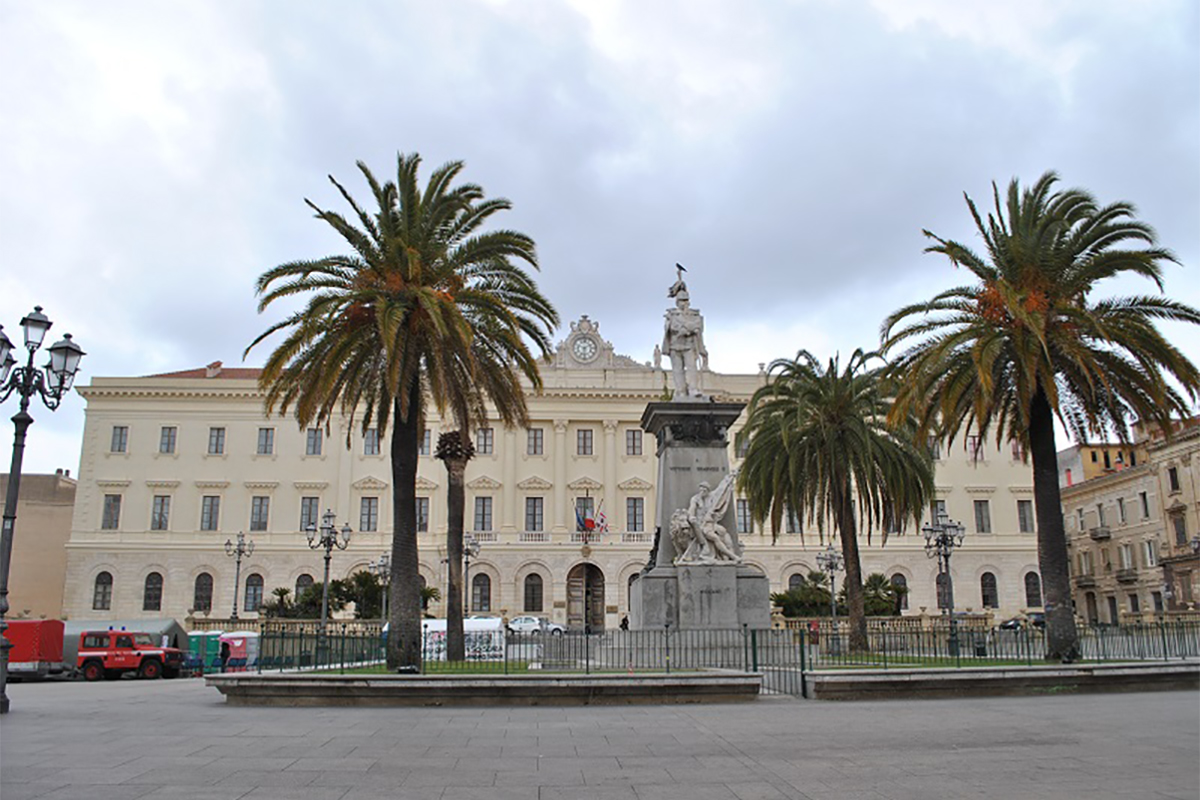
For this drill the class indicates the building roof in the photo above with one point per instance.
(214, 370)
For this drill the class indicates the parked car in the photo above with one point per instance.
(110, 654)
(1035, 619)
(534, 625)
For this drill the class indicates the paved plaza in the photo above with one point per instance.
(177, 739)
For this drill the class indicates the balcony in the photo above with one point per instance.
(1127, 575)
(1100, 533)
(1085, 581)
(637, 538)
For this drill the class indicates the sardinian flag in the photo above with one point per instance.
(601, 519)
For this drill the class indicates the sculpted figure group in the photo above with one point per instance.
(697, 532)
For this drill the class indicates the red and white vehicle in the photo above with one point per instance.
(37, 648)
(110, 654)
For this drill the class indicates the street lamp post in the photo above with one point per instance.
(383, 571)
(942, 535)
(50, 383)
(243, 547)
(327, 537)
(831, 561)
(471, 550)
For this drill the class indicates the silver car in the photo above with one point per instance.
(534, 625)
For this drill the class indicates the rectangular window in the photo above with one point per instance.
(743, 446)
(160, 513)
(266, 441)
(935, 447)
(1018, 451)
(1145, 501)
(483, 514)
(534, 510)
(937, 510)
(975, 447)
(485, 441)
(1079, 519)
(585, 509)
(1085, 562)
(310, 509)
(583, 442)
(120, 439)
(534, 442)
(111, 520)
(1172, 472)
(1158, 601)
(371, 442)
(744, 522)
(1025, 516)
(1121, 510)
(426, 443)
(983, 517)
(791, 522)
(216, 441)
(1135, 605)
(422, 514)
(1150, 550)
(1125, 553)
(368, 514)
(1180, 526)
(260, 509)
(1100, 514)
(312, 444)
(633, 442)
(166, 439)
(210, 513)
(635, 514)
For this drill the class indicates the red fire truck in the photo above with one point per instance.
(110, 654)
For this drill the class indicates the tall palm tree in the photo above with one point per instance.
(426, 306)
(820, 445)
(1025, 343)
(454, 450)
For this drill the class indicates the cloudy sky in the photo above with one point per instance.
(154, 157)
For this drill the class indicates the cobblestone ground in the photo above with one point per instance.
(160, 739)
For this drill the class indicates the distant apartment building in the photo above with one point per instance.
(39, 554)
(1177, 467)
(1082, 462)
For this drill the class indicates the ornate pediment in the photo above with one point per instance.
(111, 484)
(162, 484)
(269, 486)
(484, 482)
(980, 489)
(425, 485)
(634, 485)
(534, 483)
(315, 486)
(212, 484)
(1024, 491)
(369, 484)
(585, 483)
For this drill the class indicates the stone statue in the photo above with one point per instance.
(683, 341)
(697, 532)
(657, 357)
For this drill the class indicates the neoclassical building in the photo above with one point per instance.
(174, 465)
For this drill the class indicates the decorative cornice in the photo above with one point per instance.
(211, 484)
(484, 482)
(425, 485)
(535, 483)
(1021, 490)
(635, 485)
(943, 491)
(369, 484)
(159, 484)
(980, 489)
(268, 485)
(318, 485)
(111, 483)
(585, 483)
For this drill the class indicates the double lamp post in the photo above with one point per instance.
(942, 535)
(51, 383)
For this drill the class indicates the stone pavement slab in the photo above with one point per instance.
(155, 740)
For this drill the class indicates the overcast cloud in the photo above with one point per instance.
(154, 156)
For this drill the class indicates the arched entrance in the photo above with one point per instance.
(585, 598)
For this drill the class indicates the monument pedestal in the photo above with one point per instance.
(693, 448)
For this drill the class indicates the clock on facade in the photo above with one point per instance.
(584, 348)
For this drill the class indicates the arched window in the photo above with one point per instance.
(254, 591)
(987, 590)
(152, 595)
(533, 592)
(943, 590)
(795, 581)
(303, 584)
(1033, 590)
(481, 593)
(202, 594)
(102, 594)
(900, 584)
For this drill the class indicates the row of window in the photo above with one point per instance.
(1091, 609)
(260, 512)
(976, 448)
(1122, 512)
(983, 515)
(485, 441)
(1126, 555)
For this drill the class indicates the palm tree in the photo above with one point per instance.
(819, 444)
(454, 450)
(1025, 343)
(426, 306)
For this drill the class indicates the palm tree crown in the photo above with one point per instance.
(426, 304)
(1025, 342)
(820, 445)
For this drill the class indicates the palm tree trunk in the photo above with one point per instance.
(1062, 638)
(456, 649)
(404, 634)
(855, 605)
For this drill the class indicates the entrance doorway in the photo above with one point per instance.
(585, 598)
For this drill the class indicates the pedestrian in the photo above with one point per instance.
(625, 622)
(224, 654)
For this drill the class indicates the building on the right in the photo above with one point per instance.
(1132, 531)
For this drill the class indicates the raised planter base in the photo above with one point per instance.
(249, 689)
(984, 681)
